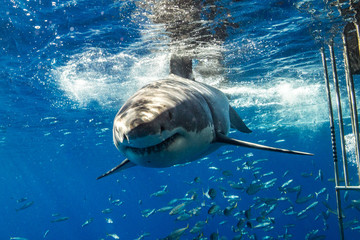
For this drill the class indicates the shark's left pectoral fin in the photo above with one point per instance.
(221, 138)
(122, 166)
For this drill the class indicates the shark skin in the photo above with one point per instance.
(174, 121)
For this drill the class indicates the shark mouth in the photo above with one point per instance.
(155, 148)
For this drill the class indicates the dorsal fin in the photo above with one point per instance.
(181, 66)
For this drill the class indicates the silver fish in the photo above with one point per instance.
(177, 209)
(87, 222)
(60, 219)
(25, 206)
(160, 192)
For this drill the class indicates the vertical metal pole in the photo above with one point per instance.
(333, 142)
(340, 115)
(352, 102)
(356, 23)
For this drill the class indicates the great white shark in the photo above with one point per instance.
(176, 120)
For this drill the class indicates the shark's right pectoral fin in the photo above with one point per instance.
(237, 122)
(122, 166)
(225, 139)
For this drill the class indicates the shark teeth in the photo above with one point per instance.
(155, 148)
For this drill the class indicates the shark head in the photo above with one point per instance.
(158, 129)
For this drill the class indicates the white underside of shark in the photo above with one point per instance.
(175, 121)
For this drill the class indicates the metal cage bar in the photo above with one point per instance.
(351, 52)
(340, 114)
(350, 87)
(333, 142)
(352, 102)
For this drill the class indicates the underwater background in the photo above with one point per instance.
(66, 67)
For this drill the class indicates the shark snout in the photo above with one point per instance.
(142, 136)
(143, 129)
(137, 136)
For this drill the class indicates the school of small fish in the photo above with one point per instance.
(220, 199)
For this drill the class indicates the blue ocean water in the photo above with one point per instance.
(68, 66)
